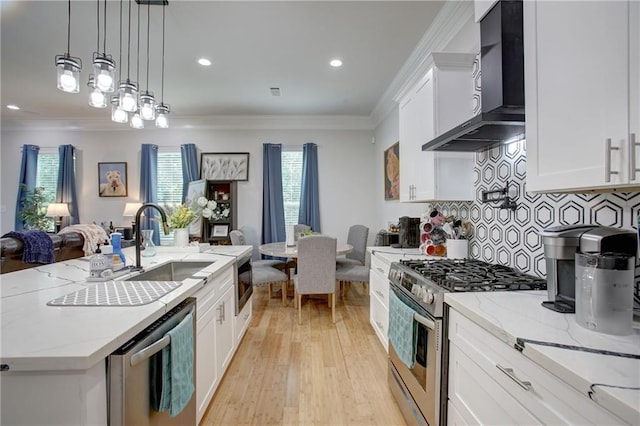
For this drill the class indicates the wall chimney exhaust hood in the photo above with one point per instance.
(502, 92)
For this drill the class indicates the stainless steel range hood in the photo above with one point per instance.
(502, 65)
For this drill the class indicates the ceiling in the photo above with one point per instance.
(253, 46)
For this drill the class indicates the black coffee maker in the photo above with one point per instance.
(409, 232)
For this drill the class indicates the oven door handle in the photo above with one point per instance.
(425, 321)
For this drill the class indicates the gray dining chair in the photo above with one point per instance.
(267, 276)
(357, 237)
(346, 275)
(316, 270)
(237, 239)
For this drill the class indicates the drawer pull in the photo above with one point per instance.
(380, 293)
(381, 270)
(509, 372)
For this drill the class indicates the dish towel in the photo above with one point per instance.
(402, 330)
(38, 246)
(173, 389)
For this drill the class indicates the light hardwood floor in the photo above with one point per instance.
(315, 373)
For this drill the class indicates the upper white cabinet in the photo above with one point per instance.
(582, 91)
(481, 7)
(440, 100)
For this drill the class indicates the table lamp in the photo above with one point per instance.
(130, 210)
(58, 210)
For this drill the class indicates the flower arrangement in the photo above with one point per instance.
(212, 210)
(181, 217)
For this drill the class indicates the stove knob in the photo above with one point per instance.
(429, 298)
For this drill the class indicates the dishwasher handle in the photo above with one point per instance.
(150, 350)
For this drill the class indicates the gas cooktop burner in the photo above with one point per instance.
(473, 275)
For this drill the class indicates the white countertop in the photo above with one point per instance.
(390, 254)
(40, 337)
(511, 315)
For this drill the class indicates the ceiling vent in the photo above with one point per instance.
(275, 91)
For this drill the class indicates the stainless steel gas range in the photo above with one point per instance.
(420, 388)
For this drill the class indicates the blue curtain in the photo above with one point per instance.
(149, 188)
(273, 229)
(309, 213)
(28, 175)
(66, 189)
(190, 170)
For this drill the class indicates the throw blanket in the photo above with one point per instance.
(92, 233)
(38, 247)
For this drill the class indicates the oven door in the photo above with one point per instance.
(243, 282)
(417, 389)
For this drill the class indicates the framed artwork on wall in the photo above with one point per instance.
(112, 179)
(195, 190)
(392, 172)
(224, 166)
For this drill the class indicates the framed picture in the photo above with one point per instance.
(392, 172)
(224, 166)
(220, 231)
(112, 179)
(195, 190)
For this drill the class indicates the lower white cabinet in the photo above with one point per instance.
(215, 342)
(379, 299)
(241, 321)
(492, 383)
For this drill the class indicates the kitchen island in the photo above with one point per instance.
(53, 357)
(505, 326)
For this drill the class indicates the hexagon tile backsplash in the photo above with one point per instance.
(511, 237)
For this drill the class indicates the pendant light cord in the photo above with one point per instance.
(162, 84)
(104, 48)
(120, 55)
(98, 25)
(138, 50)
(129, 43)
(148, 26)
(69, 30)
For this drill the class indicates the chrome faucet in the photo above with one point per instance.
(165, 227)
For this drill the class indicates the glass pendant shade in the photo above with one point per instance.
(136, 121)
(97, 99)
(118, 115)
(104, 70)
(147, 106)
(128, 96)
(68, 73)
(162, 116)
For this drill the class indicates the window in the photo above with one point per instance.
(291, 182)
(47, 175)
(169, 185)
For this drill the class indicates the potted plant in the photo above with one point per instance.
(34, 209)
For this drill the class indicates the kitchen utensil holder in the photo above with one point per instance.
(500, 195)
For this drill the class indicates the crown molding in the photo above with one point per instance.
(446, 25)
(265, 122)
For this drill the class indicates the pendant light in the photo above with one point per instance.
(97, 99)
(162, 110)
(136, 120)
(68, 66)
(147, 100)
(118, 115)
(128, 90)
(104, 68)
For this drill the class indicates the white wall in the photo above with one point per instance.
(346, 160)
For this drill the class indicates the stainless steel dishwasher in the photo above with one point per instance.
(130, 369)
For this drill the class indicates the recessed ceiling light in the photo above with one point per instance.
(335, 63)
(15, 107)
(204, 62)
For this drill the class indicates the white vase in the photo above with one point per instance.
(181, 237)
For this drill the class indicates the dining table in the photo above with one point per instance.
(281, 249)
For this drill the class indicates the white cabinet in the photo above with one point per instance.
(242, 320)
(213, 341)
(581, 90)
(482, 7)
(492, 383)
(379, 299)
(440, 100)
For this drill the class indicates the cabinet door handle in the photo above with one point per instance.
(632, 156)
(509, 372)
(220, 316)
(380, 293)
(607, 160)
(380, 270)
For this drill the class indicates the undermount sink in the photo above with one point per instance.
(172, 271)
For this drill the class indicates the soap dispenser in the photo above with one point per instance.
(118, 255)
